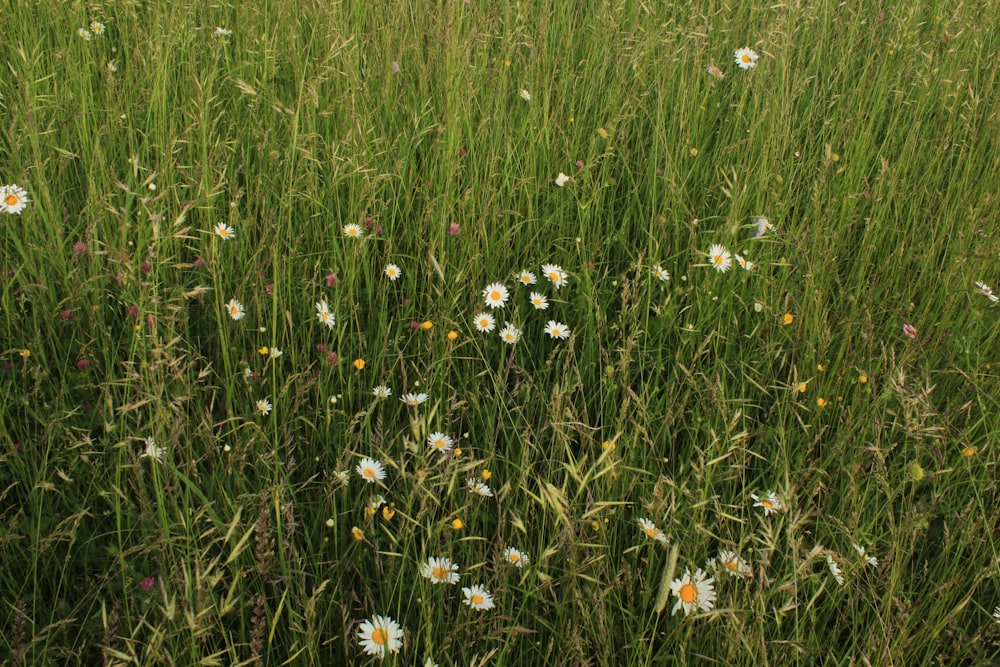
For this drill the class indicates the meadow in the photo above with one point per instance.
(477, 333)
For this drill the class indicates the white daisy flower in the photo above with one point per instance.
(324, 314)
(693, 593)
(353, 231)
(478, 598)
(525, 95)
(555, 274)
(222, 32)
(660, 273)
(84, 33)
(539, 301)
(224, 231)
(745, 263)
(721, 260)
(413, 399)
(557, 330)
(440, 571)
(382, 391)
(834, 569)
(484, 322)
(526, 278)
(380, 635)
(731, 562)
(477, 487)
(650, 529)
(13, 199)
(264, 407)
(152, 451)
(769, 502)
(510, 334)
(370, 470)
(516, 557)
(746, 58)
(235, 309)
(440, 442)
(496, 295)
(871, 560)
(393, 272)
(985, 290)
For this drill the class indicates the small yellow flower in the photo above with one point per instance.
(788, 319)
(358, 533)
(456, 524)
(596, 525)
(802, 387)
(820, 368)
(359, 364)
(458, 452)
(506, 63)
(25, 353)
(388, 512)
(694, 152)
(608, 445)
(968, 451)
(452, 335)
(263, 350)
(370, 512)
(820, 402)
(862, 378)
(486, 474)
(427, 324)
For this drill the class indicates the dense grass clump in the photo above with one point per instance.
(755, 423)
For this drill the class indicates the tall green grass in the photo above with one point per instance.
(866, 135)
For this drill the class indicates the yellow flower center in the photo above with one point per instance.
(688, 593)
(495, 295)
(440, 573)
(369, 472)
(11, 200)
(767, 504)
(717, 259)
(352, 232)
(554, 277)
(439, 444)
(745, 57)
(514, 558)
(380, 636)
(484, 323)
(556, 332)
(732, 566)
(477, 599)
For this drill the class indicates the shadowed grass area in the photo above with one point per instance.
(815, 428)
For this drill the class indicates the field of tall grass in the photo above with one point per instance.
(478, 333)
